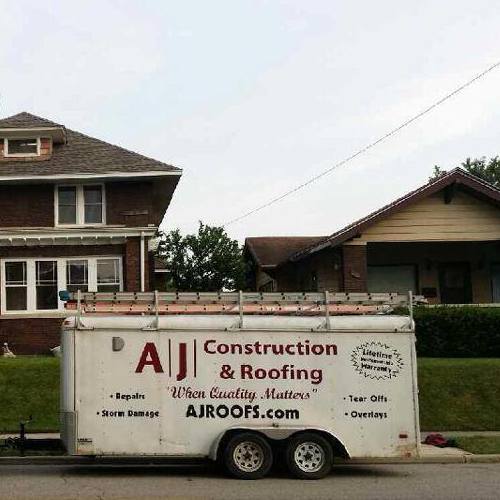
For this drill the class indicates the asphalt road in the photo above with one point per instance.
(418, 481)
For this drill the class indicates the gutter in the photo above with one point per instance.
(83, 176)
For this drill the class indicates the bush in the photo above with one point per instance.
(458, 332)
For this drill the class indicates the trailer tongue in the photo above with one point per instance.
(242, 378)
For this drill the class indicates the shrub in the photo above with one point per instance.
(458, 332)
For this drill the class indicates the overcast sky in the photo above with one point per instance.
(251, 97)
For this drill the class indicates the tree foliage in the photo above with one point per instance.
(488, 170)
(207, 261)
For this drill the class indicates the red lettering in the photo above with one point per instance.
(246, 372)
(149, 356)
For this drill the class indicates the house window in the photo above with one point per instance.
(15, 286)
(108, 275)
(67, 205)
(46, 284)
(80, 205)
(92, 198)
(32, 285)
(22, 147)
(77, 275)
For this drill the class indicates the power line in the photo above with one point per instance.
(364, 149)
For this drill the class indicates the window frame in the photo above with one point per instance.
(80, 205)
(21, 155)
(61, 280)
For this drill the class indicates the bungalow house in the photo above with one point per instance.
(441, 240)
(75, 213)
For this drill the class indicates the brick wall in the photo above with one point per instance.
(132, 270)
(27, 206)
(30, 335)
(354, 268)
(130, 203)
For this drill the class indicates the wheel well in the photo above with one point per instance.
(221, 445)
(339, 450)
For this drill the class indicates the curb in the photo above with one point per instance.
(483, 459)
(83, 460)
(432, 459)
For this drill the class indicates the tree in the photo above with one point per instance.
(488, 170)
(208, 261)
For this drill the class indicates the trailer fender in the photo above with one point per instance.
(277, 434)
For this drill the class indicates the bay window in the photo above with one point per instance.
(80, 205)
(32, 285)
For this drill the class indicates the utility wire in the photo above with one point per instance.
(364, 149)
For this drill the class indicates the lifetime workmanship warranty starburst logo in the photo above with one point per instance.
(377, 361)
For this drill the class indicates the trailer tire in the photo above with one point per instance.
(248, 456)
(309, 456)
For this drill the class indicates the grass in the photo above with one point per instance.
(480, 445)
(459, 394)
(29, 385)
(455, 394)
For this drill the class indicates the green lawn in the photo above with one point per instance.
(480, 445)
(459, 394)
(29, 385)
(455, 394)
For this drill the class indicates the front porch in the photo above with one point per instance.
(444, 272)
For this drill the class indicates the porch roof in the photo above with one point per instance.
(71, 236)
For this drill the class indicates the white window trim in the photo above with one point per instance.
(20, 155)
(80, 205)
(61, 280)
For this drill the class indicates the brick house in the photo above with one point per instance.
(75, 213)
(441, 240)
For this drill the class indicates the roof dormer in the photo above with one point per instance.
(27, 137)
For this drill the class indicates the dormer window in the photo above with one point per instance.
(22, 147)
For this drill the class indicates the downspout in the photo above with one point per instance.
(142, 262)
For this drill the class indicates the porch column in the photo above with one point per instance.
(132, 265)
(354, 270)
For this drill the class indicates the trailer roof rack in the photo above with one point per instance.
(276, 303)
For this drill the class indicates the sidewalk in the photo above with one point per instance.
(429, 454)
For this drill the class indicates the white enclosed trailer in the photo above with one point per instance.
(242, 389)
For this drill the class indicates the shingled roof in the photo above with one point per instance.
(269, 251)
(26, 120)
(80, 154)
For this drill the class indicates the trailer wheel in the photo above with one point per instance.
(309, 456)
(248, 456)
